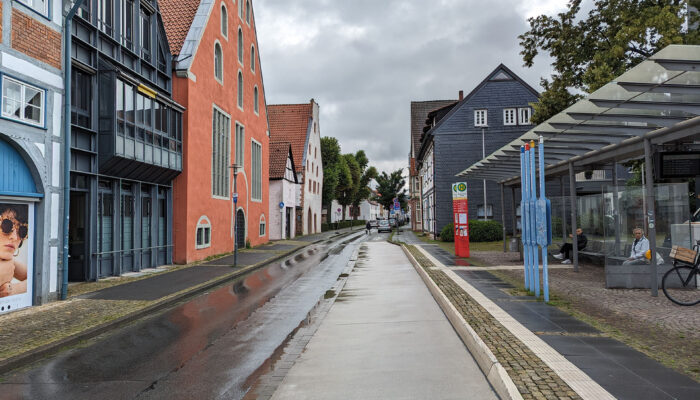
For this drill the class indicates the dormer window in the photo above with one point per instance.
(480, 118)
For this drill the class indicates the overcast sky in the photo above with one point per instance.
(364, 61)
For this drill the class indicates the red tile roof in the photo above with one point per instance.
(290, 123)
(278, 159)
(177, 19)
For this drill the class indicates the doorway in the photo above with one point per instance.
(308, 226)
(77, 237)
(240, 229)
(288, 223)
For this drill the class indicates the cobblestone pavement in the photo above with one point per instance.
(655, 326)
(533, 378)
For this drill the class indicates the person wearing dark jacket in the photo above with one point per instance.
(368, 228)
(582, 241)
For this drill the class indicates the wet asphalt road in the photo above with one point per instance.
(209, 347)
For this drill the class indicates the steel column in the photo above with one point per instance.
(503, 215)
(572, 195)
(651, 223)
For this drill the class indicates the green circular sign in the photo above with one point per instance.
(462, 187)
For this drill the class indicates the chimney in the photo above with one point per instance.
(461, 95)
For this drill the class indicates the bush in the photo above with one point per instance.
(485, 231)
(448, 233)
(343, 224)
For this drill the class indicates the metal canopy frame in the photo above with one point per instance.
(659, 100)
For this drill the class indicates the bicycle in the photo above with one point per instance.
(680, 283)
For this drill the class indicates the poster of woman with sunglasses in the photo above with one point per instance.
(15, 253)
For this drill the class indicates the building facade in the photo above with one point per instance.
(299, 124)
(218, 78)
(284, 191)
(496, 112)
(31, 148)
(126, 146)
(419, 113)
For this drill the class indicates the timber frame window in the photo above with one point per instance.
(23, 102)
(221, 150)
(256, 165)
(480, 118)
(509, 116)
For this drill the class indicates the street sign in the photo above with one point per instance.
(460, 210)
(340, 209)
(235, 197)
(281, 204)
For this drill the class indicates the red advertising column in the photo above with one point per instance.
(461, 218)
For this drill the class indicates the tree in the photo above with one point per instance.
(590, 52)
(330, 154)
(390, 187)
(367, 173)
(348, 192)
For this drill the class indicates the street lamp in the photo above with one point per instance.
(483, 155)
(235, 168)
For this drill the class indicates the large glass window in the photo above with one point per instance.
(128, 24)
(105, 16)
(105, 210)
(81, 98)
(146, 222)
(256, 161)
(221, 126)
(240, 144)
(22, 102)
(127, 222)
(145, 34)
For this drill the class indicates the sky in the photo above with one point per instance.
(364, 61)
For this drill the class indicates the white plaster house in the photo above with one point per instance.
(284, 192)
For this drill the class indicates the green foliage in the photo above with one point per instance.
(590, 51)
(363, 191)
(389, 187)
(447, 234)
(485, 231)
(360, 223)
(330, 153)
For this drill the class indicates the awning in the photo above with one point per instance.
(659, 99)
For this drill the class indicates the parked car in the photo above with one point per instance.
(384, 226)
(374, 223)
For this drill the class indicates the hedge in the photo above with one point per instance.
(343, 224)
(479, 231)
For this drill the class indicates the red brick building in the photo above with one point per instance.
(217, 77)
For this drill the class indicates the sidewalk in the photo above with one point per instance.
(384, 338)
(96, 307)
(536, 342)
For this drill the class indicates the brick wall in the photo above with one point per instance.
(33, 38)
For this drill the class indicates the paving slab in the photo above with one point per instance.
(385, 337)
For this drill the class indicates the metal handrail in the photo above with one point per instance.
(130, 250)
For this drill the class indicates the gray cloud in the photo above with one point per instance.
(365, 61)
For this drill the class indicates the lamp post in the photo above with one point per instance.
(234, 197)
(483, 155)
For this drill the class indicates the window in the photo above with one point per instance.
(480, 211)
(220, 154)
(509, 116)
(525, 115)
(256, 161)
(240, 90)
(480, 118)
(247, 11)
(22, 102)
(145, 34)
(224, 21)
(262, 225)
(240, 9)
(256, 100)
(240, 46)
(81, 98)
(252, 58)
(128, 24)
(240, 144)
(84, 10)
(218, 63)
(203, 233)
(105, 16)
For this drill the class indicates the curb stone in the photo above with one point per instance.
(26, 358)
(489, 365)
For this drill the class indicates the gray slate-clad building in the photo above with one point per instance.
(496, 112)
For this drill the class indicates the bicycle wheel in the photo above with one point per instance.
(680, 285)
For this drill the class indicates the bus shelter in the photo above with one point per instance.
(651, 114)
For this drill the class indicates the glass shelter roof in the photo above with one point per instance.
(659, 99)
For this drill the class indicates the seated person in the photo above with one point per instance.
(581, 241)
(639, 249)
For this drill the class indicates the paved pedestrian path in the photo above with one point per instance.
(384, 338)
(96, 307)
(538, 343)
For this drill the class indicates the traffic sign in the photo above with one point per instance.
(235, 197)
(281, 204)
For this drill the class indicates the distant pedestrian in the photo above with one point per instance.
(581, 242)
(368, 228)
